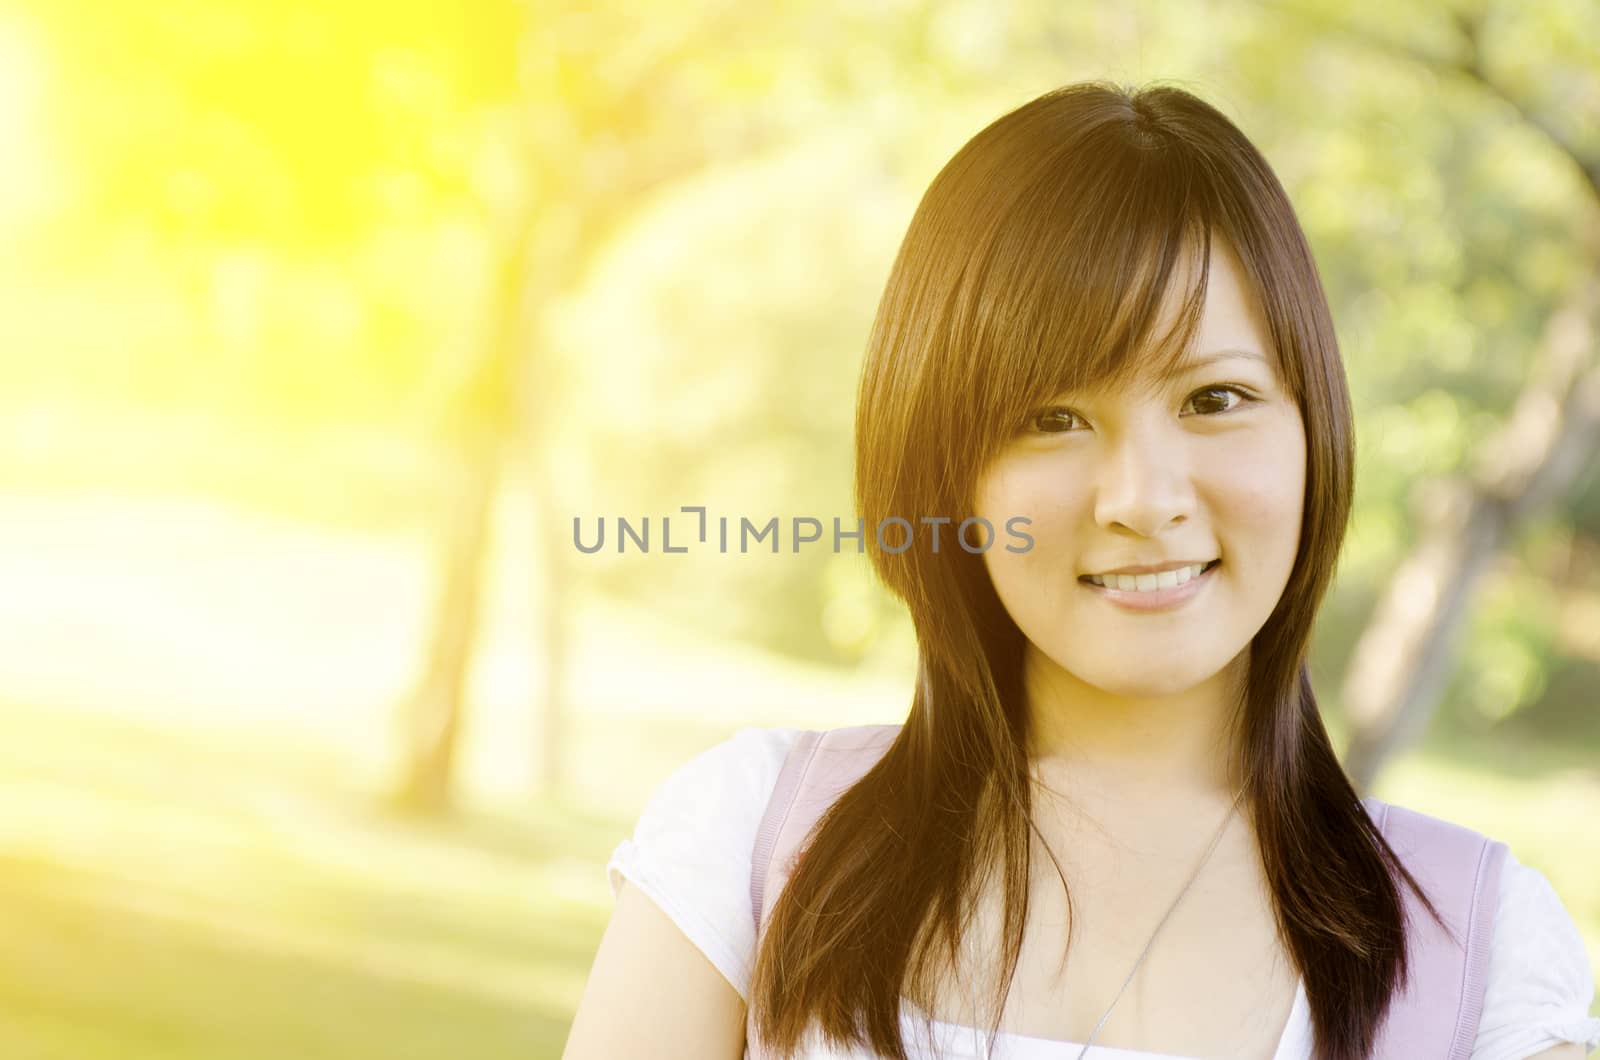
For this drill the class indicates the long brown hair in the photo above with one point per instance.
(1037, 262)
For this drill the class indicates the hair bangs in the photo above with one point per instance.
(1073, 301)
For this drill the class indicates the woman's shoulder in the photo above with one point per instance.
(1539, 981)
(711, 805)
(744, 763)
(691, 847)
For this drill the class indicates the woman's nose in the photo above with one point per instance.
(1143, 484)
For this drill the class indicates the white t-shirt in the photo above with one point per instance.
(690, 853)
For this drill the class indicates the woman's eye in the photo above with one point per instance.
(1053, 420)
(1210, 404)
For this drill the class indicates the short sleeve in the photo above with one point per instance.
(1540, 982)
(691, 849)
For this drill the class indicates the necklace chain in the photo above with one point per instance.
(988, 1048)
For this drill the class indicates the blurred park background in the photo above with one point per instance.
(320, 322)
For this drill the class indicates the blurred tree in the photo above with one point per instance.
(478, 414)
(1400, 663)
(293, 184)
(614, 105)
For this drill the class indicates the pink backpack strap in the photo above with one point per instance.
(820, 767)
(1436, 1013)
(794, 767)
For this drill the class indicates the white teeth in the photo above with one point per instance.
(1144, 583)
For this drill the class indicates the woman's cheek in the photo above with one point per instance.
(1263, 495)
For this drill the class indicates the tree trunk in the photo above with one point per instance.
(434, 713)
(477, 420)
(555, 610)
(1402, 660)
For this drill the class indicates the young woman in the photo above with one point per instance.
(1112, 823)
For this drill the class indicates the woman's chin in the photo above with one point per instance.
(1146, 678)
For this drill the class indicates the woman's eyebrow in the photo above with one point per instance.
(1204, 360)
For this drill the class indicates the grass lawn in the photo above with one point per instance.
(165, 899)
(239, 899)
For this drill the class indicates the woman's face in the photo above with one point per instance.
(1207, 467)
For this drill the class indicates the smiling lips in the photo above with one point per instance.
(1150, 580)
(1166, 590)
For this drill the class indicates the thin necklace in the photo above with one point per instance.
(988, 1048)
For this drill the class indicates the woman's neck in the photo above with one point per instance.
(1177, 745)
